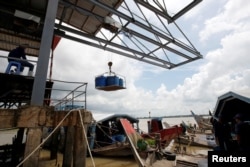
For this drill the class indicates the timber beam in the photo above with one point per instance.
(36, 116)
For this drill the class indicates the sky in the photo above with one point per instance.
(220, 30)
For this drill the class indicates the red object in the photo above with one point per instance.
(167, 134)
(128, 127)
(56, 40)
(170, 133)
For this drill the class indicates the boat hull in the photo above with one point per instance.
(114, 150)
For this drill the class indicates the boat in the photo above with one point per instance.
(155, 156)
(200, 140)
(167, 134)
(107, 137)
(192, 130)
(195, 137)
(203, 123)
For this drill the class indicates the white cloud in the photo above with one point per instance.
(234, 15)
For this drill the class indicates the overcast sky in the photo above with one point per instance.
(220, 30)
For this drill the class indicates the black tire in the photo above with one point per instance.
(170, 156)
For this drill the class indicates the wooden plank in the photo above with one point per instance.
(35, 116)
(29, 116)
(7, 118)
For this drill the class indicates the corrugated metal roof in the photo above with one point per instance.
(10, 40)
(84, 15)
(78, 14)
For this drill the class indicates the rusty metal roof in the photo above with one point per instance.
(138, 37)
(85, 15)
(15, 31)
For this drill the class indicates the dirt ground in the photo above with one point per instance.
(99, 161)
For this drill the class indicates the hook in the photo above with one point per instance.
(110, 64)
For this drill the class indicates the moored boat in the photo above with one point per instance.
(145, 154)
(166, 134)
(200, 140)
(203, 123)
(107, 137)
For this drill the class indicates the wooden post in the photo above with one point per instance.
(54, 144)
(79, 152)
(68, 151)
(33, 118)
(34, 136)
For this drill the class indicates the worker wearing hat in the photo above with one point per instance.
(18, 54)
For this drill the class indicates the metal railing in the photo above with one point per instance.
(72, 99)
(63, 95)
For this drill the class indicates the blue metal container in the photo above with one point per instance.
(121, 82)
(112, 81)
(100, 81)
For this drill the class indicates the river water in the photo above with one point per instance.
(7, 135)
